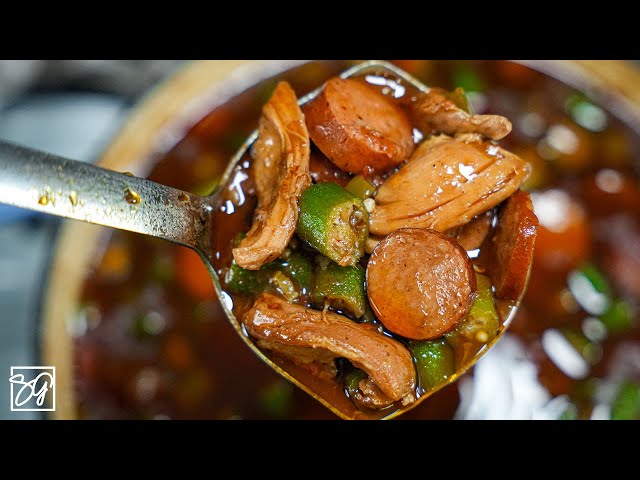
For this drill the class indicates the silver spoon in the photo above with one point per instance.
(68, 188)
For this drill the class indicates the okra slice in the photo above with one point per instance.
(248, 282)
(298, 267)
(434, 360)
(341, 287)
(334, 222)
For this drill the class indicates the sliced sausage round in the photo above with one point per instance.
(508, 253)
(358, 128)
(420, 283)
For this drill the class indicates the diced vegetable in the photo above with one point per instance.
(626, 405)
(352, 381)
(277, 399)
(148, 325)
(569, 413)
(481, 324)
(466, 78)
(207, 187)
(193, 274)
(459, 97)
(590, 351)
(594, 293)
(618, 317)
(586, 114)
(285, 286)
(341, 287)
(163, 269)
(360, 187)
(299, 267)
(334, 222)
(434, 360)
(596, 277)
(241, 280)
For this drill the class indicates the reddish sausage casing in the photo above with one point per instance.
(508, 252)
(420, 283)
(358, 128)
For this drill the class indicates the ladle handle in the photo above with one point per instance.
(67, 188)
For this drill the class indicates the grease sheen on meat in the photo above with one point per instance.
(445, 184)
(280, 170)
(433, 113)
(311, 336)
(420, 283)
(358, 128)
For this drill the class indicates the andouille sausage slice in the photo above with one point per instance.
(508, 252)
(358, 128)
(420, 283)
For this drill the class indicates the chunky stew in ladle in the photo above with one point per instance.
(151, 341)
(384, 224)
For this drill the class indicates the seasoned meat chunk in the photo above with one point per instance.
(434, 112)
(508, 252)
(280, 170)
(309, 336)
(471, 235)
(421, 283)
(358, 128)
(445, 184)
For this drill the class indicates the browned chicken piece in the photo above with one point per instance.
(433, 112)
(280, 170)
(445, 184)
(315, 337)
(471, 235)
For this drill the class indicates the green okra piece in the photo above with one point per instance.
(341, 287)
(434, 361)
(352, 382)
(241, 280)
(481, 323)
(299, 267)
(334, 222)
(360, 187)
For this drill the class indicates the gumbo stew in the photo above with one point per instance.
(151, 341)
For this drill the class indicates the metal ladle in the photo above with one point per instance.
(67, 188)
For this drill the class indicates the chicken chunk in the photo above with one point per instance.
(280, 169)
(315, 337)
(445, 184)
(434, 112)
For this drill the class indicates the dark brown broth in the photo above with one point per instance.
(154, 348)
